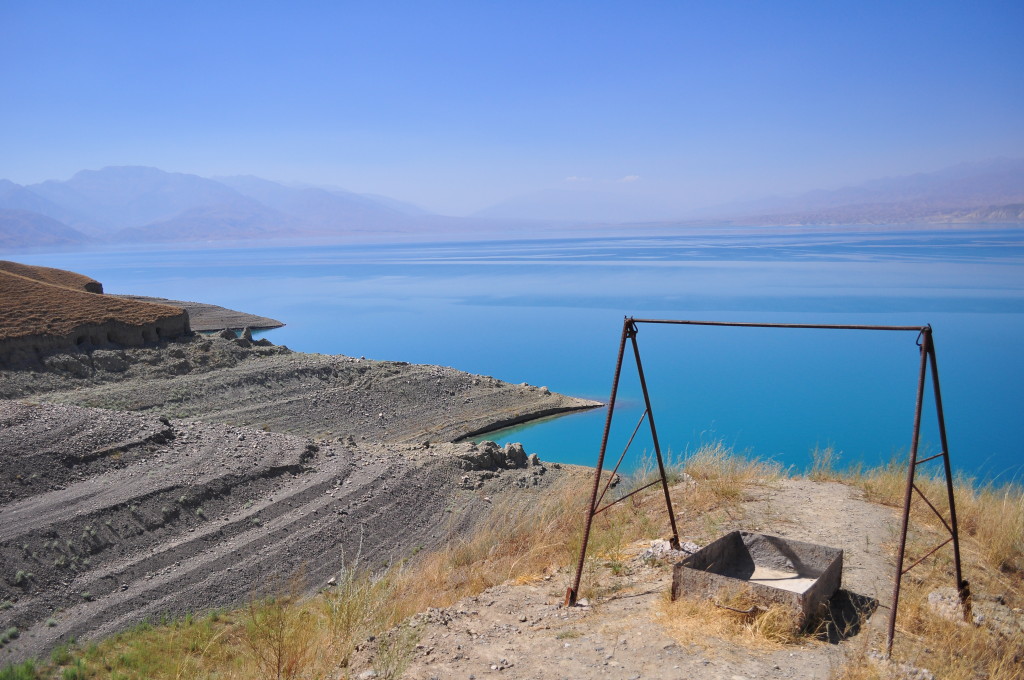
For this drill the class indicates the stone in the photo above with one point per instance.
(796, 574)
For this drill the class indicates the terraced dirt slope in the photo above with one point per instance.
(244, 383)
(283, 463)
(56, 277)
(113, 517)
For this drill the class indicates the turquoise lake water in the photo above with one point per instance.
(549, 312)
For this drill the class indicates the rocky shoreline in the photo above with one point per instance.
(178, 477)
(205, 318)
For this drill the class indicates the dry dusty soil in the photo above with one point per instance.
(162, 480)
(524, 632)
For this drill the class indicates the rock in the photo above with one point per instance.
(515, 456)
(247, 334)
(107, 360)
(989, 612)
(227, 334)
(661, 549)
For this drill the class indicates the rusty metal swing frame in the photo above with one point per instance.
(928, 361)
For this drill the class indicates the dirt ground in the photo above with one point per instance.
(216, 467)
(524, 632)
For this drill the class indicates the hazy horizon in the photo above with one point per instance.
(462, 106)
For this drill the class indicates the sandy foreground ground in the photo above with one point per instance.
(523, 631)
(162, 480)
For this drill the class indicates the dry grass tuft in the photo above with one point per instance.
(724, 475)
(738, 618)
(990, 517)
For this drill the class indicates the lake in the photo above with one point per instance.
(550, 312)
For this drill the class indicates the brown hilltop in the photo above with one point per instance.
(44, 310)
(56, 277)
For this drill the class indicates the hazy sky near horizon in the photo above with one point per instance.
(459, 105)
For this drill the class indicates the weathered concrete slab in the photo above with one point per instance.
(774, 569)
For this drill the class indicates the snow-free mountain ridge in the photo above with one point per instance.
(132, 204)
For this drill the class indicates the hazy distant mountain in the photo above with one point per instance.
(403, 207)
(25, 229)
(114, 198)
(948, 194)
(16, 197)
(239, 219)
(319, 211)
(128, 204)
(610, 204)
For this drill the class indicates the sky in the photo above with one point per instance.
(457, 106)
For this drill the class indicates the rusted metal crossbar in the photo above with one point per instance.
(928, 361)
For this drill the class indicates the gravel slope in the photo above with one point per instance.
(245, 383)
(219, 467)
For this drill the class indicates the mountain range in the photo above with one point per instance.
(131, 204)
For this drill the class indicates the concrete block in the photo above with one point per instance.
(800, 575)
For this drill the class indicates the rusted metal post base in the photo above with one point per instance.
(963, 589)
(629, 331)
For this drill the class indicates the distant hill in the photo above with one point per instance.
(320, 211)
(25, 229)
(238, 219)
(964, 192)
(977, 190)
(141, 204)
(118, 197)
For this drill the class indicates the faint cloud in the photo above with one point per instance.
(629, 178)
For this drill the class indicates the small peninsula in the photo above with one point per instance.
(164, 472)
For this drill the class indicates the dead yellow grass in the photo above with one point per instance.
(738, 619)
(32, 307)
(722, 475)
(990, 518)
(289, 636)
(533, 535)
(949, 648)
(991, 523)
(56, 277)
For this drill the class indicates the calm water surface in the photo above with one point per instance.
(550, 312)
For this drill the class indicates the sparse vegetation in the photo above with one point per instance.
(22, 671)
(528, 537)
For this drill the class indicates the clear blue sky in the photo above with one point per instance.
(457, 105)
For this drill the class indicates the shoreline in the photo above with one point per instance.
(204, 317)
(191, 475)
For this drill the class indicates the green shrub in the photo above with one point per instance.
(22, 671)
